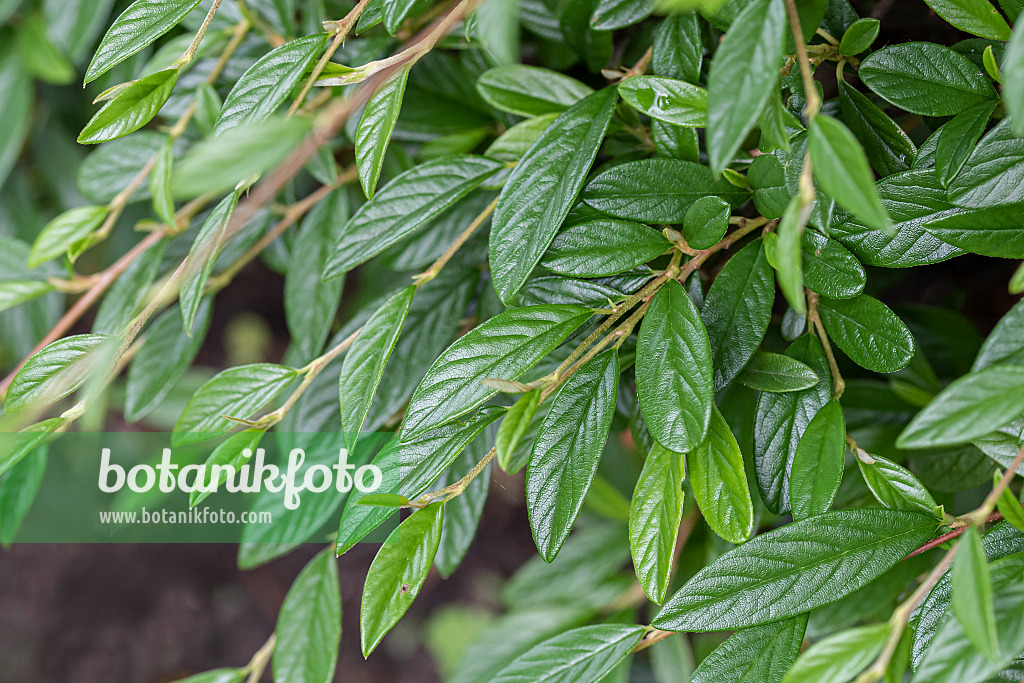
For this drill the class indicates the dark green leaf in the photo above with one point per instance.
(893, 486)
(785, 253)
(586, 653)
(840, 656)
(769, 578)
(57, 370)
(994, 173)
(18, 489)
(973, 16)
(601, 247)
(462, 514)
(543, 187)
(759, 653)
(868, 332)
(230, 452)
(1013, 80)
(705, 222)
(654, 516)
(131, 108)
(616, 14)
(202, 257)
(309, 625)
(889, 149)
(678, 49)
(397, 574)
(993, 231)
(568, 450)
(775, 372)
(514, 425)
(657, 190)
(829, 269)
(673, 370)
(926, 79)
(719, 482)
(110, 168)
(160, 183)
(666, 99)
(958, 139)
(529, 90)
(859, 37)
(818, 463)
(971, 598)
(504, 347)
(375, 128)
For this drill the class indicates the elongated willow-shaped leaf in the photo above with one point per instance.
(654, 516)
(542, 188)
(818, 463)
(375, 127)
(587, 653)
(720, 483)
(309, 625)
(759, 653)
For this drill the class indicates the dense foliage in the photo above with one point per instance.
(568, 221)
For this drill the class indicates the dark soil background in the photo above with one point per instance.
(155, 613)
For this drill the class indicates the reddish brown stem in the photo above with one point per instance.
(950, 535)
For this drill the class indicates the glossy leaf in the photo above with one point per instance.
(375, 127)
(57, 370)
(758, 653)
(994, 171)
(958, 139)
(674, 371)
(514, 425)
(829, 269)
(719, 482)
(868, 332)
(568, 449)
(542, 188)
(765, 580)
(973, 16)
(654, 516)
(888, 148)
(971, 599)
(665, 99)
(529, 90)
(202, 257)
(131, 109)
(894, 486)
(604, 246)
(397, 574)
(993, 231)
(840, 656)
(587, 653)
(706, 222)
(818, 463)
(767, 371)
(462, 514)
(859, 36)
(64, 231)
(309, 624)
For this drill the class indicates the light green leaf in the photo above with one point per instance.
(406, 204)
(767, 371)
(143, 22)
(794, 568)
(666, 99)
(309, 624)
(674, 375)
(868, 332)
(1013, 80)
(230, 452)
(894, 486)
(818, 463)
(375, 127)
(587, 653)
(926, 79)
(841, 169)
(397, 574)
(365, 361)
(131, 108)
(514, 425)
(746, 62)
(64, 231)
(236, 392)
(16, 292)
(786, 252)
(16, 447)
(604, 246)
(530, 90)
(1010, 507)
(972, 406)
(971, 598)
(160, 183)
(504, 347)
(57, 370)
(654, 516)
(568, 449)
(16, 94)
(265, 85)
(542, 188)
(973, 16)
(615, 14)
(839, 657)
(759, 653)
(513, 144)
(859, 37)
(18, 489)
(719, 482)
(202, 257)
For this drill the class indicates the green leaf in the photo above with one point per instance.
(786, 254)
(1012, 70)
(160, 183)
(958, 139)
(888, 148)
(673, 370)
(654, 516)
(818, 463)
(705, 222)
(405, 205)
(201, 258)
(794, 568)
(678, 49)
(543, 187)
(63, 232)
(364, 362)
(841, 169)
(781, 420)
(719, 482)
(504, 347)
(408, 469)
(615, 14)
(375, 127)
(910, 199)
(1010, 507)
(309, 624)
(568, 449)
(973, 16)
(868, 332)
(604, 246)
(993, 173)
(517, 140)
(767, 371)
(746, 62)
(110, 168)
(994, 231)
(165, 355)
(220, 163)
(397, 574)
(971, 599)
(131, 108)
(666, 99)
(16, 98)
(17, 447)
(236, 392)
(462, 514)
(208, 107)
(737, 310)
(530, 90)
(229, 452)
(841, 656)
(829, 269)
(516, 421)
(16, 292)
(265, 85)
(386, 500)
(395, 12)
(859, 37)
(759, 653)
(972, 406)
(657, 190)
(47, 63)
(585, 653)
(18, 489)
(894, 486)
(143, 22)
(926, 79)
(57, 370)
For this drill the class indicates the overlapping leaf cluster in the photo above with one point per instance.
(568, 223)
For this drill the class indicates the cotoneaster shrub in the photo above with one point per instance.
(635, 251)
